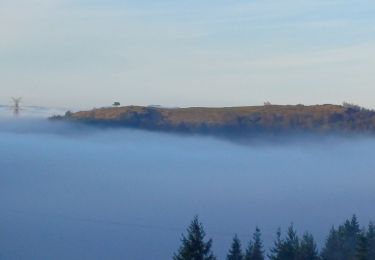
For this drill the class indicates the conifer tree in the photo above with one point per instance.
(249, 250)
(277, 248)
(288, 248)
(349, 236)
(235, 252)
(362, 248)
(308, 249)
(332, 247)
(193, 245)
(366, 244)
(370, 235)
(342, 244)
(291, 244)
(255, 250)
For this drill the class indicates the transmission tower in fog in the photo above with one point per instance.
(16, 105)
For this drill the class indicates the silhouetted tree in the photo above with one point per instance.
(288, 248)
(362, 248)
(68, 113)
(291, 244)
(332, 247)
(366, 244)
(347, 242)
(371, 241)
(235, 252)
(307, 248)
(277, 247)
(342, 244)
(349, 235)
(255, 249)
(249, 250)
(193, 245)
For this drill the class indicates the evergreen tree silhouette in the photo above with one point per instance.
(291, 244)
(343, 243)
(349, 235)
(288, 248)
(307, 248)
(235, 252)
(193, 245)
(370, 236)
(332, 247)
(362, 248)
(249, 250)
(366, 244)
(255, 249)
(277, 247)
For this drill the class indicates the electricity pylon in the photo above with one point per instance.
(16, 106)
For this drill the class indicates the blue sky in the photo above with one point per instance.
(85, 53)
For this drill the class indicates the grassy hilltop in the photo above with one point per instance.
(268, 119)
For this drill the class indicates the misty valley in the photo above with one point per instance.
(187, 130)
(78, 192)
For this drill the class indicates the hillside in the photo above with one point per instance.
(268, 119)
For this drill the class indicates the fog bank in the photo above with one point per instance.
(81, 193)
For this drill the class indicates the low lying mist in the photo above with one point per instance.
(78, 192)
